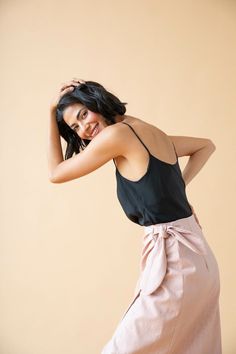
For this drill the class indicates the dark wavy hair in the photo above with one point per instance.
(97, 99)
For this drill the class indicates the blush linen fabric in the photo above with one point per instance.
(175, 308)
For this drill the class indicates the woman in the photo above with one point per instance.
(175, 308)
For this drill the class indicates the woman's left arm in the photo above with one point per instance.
(199, 150)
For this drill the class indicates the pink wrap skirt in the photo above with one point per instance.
(175, 308)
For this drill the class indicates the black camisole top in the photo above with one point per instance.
(158, 196)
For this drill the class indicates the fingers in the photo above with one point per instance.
(69, 84)
(195, 216)
(66, 87)
(79, 80)
(74, 82)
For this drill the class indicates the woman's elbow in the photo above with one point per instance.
(58, 179)
(213, 146)
(53, 179)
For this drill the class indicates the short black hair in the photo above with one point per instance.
(97, 99)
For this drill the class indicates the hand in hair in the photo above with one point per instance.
(65, 88)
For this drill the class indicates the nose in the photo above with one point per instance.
(83, 127)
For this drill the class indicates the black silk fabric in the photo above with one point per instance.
(157, 197)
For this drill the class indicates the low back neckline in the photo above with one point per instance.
(151, 156)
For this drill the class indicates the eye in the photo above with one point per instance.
(84, 114)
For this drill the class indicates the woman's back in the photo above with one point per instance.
(134, 164)
(157, 194)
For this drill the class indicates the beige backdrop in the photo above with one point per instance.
(69, 257)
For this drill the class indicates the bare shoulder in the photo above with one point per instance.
(141, 127)
(136, 122)
(147, 132)
(150, 134)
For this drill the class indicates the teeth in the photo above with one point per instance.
(95, 130)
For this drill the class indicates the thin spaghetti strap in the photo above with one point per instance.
(175, 150)
(137, 136)
(114, 162)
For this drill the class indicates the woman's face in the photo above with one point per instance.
(84, 122)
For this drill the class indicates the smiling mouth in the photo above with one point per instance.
(95, 131)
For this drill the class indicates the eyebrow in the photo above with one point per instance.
(77, 116)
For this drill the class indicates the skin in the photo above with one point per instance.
(87, 120)
(117, 142)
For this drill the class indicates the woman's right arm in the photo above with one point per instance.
(54, 149)
(199, 150)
